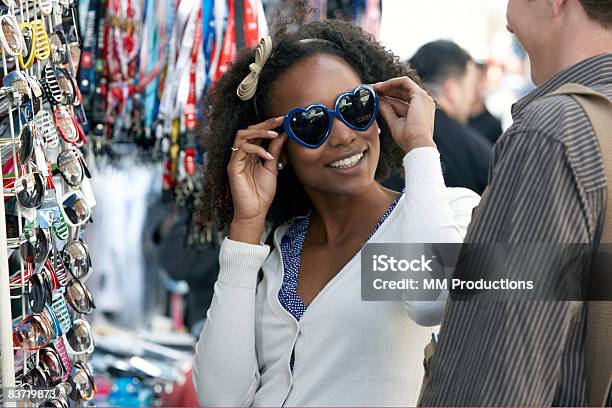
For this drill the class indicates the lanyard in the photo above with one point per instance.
(196, 50)
(221, 16)
(251, 23)
(208, 34)
(178, 61)
(228, 51)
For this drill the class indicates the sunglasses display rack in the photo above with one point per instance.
(148, 65)
(45, 340)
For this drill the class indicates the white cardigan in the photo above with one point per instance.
(348, 352)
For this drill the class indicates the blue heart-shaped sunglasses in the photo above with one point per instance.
(311, 126)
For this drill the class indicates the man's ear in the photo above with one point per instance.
(449, 90)
(558, 6)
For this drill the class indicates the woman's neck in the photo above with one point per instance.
(336, 217)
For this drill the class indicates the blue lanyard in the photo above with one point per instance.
(150, 102)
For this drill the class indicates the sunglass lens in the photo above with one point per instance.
(39, 292)
(42, 247)
(79, 337)
(11, 36)
(311, 126)
(84, 388)
(79, 297)
(76, 209)
(53, 364)
(30, 190)
(77, 259)
(70, 167)
(26, 145)
(358, 109)
(31, 335)
(65, 85)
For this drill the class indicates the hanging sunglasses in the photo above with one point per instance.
(79, 297)
(66, 54)
(67, 85)
(29, 189)
(34, 245)
(50, 363)
(83, 386)
(71, 165)
(74, 208)
(26, 57)
(36, 377)
(69, 129)
(57, 277)
(46, 128)
(11, 36)
(311, 126)
(42, 51)
(79, 340)
(58, 48)
(76, 258)
(33, 333)
(25, 142)
(16, 87)
(40, 292)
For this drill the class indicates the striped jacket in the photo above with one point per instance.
(547, 185)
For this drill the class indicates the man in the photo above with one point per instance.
(547, 185)
(481, 119)
(451, 76)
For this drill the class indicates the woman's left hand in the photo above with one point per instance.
(409, 112)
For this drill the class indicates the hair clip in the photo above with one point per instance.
(43, 44)
(247, 88)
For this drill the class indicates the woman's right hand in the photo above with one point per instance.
(252, 173)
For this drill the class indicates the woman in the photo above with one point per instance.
(298, 333)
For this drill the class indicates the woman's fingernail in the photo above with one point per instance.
(272, 133)
(269, 156)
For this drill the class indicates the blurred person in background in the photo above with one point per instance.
(480, 118)
(548, 185)
(451, 75)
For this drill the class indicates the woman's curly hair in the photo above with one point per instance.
(224, 113)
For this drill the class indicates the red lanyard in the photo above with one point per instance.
(228, 50)
(251, 26)
(196, 49)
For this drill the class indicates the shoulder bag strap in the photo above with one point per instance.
(598, 341)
